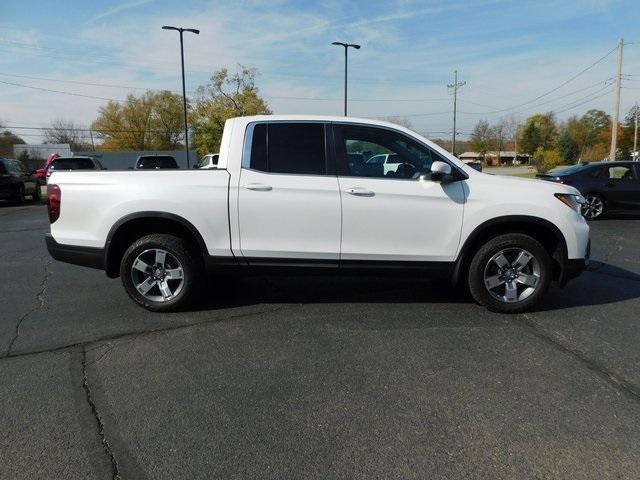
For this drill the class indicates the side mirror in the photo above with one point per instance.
(439, 171)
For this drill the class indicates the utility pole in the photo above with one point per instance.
(635, 135)
(616, 104)
(93, 145)
(455, 86)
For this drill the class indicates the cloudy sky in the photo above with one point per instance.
(511, 54)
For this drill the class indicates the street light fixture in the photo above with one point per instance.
(346, 47)
(184, 93)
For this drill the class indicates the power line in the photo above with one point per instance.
(60, 91)
(75, 82)
(606, 83)
(549, 92)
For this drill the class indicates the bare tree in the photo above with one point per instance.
(402, 121)
(66, 131)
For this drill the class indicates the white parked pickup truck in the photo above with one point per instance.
(297, 192)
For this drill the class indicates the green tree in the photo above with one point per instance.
(483, 138)
(228, 95)
(152, 121)
(538, 131)
(545, 160)
(567, 147)
(7, 141)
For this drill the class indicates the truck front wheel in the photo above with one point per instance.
(510, 273)
(160, 272)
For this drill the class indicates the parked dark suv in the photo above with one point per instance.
(608, 187)
(16, 182)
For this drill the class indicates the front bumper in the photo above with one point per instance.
(85, 256)
(574, 267)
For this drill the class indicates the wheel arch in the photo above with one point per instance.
(136, 225)
(548, 234)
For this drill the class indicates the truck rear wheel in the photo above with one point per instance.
(161, 272)
(510, 273)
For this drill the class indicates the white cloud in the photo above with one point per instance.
(120, 8)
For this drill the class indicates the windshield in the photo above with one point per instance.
(156, 162)
(72, 164)
(566, 170)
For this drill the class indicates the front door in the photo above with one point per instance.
(394, 214)
(289, 202)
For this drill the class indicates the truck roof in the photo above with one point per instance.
(316, 118)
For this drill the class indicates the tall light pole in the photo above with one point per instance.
(346, 47)
(184, 92)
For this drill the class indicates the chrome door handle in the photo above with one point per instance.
(360, 192)
(258, 187)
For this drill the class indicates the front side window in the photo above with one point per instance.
(291, 148)
(375, 152)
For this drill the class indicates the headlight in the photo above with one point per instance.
(571, 200)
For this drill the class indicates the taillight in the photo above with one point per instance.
(54, 195)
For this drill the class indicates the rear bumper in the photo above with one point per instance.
(85, 256)
(574, 267)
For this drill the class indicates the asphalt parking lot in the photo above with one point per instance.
(316, 377)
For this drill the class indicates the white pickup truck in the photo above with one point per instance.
(297, 192)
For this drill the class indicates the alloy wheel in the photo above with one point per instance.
(512, 275)
(593, 207)
(157, 275)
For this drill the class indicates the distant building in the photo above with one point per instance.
(507, 157)
(39, 153)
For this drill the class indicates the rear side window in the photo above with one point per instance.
(72, 164)
(293, 148)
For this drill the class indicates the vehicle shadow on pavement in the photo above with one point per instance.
(236, 292)
(601, 284)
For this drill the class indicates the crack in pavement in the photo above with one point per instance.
(115, 469)
(138, 333)
(39, 305)
(603, 372)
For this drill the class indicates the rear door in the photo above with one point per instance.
(622, 187)
(289, 201)
(394, 214)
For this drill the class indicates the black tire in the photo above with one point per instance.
(36, 196)
(183, 252)
(483, 262)
(593, 199)
(19, 197)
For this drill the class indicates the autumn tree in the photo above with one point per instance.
(538, 131)
(483, 138)
(228, 95)
(151, 121)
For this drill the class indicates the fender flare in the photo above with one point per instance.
(463, 255)
(151, 214)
